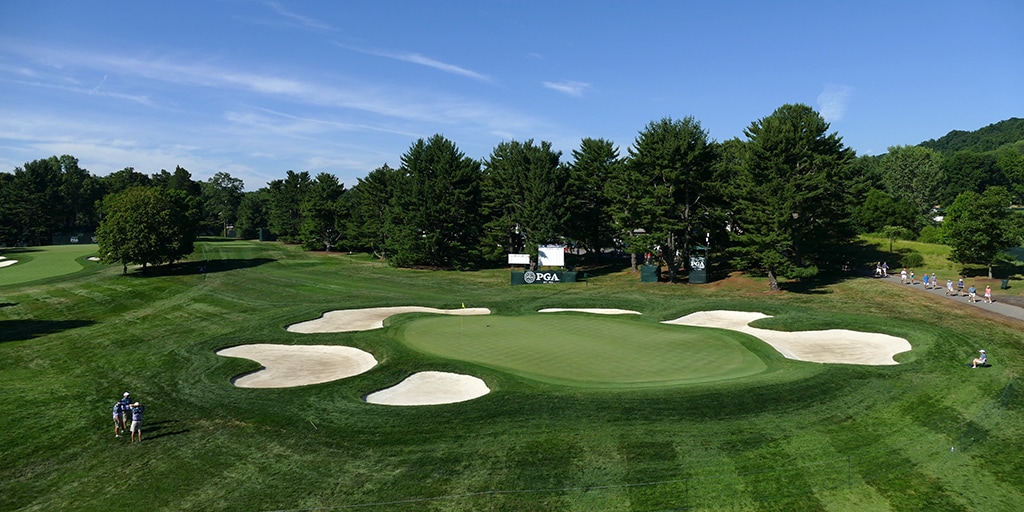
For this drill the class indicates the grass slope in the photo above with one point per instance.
(799, 437)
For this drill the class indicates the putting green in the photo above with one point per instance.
(35, 263)
(586, 350)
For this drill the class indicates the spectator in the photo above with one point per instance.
(981, 360)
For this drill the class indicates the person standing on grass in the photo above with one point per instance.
(988, 295)
(126, 410)
(118, 419)
(136, 428)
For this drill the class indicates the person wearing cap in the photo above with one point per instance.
(136, 427)
(118, 419)
(981, 360)
(126, 409)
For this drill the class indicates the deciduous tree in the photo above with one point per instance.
(147, 226)
(977, 227)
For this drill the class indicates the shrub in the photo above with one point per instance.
(929, 235)
(912, 259)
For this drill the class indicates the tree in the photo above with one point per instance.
(222, 194)
(977, 227)
(592, 166)
(966, 170)
(525, 198)
(914, 174)
(434, 216)
(147, 226)
(1010, 159)
(371, 198)
(125, 179)
(253, 212)
(879, 210)
(672, 161)
(284, 218)
(791, 216)
(323, 218)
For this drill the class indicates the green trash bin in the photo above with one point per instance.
(648, 274)
(1004, 284)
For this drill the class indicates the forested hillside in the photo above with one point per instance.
(981, 140)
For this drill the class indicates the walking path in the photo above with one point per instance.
(997, 306)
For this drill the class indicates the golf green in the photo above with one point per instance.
(586, 350)
(36, 263)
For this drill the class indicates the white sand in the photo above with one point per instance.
(431, 388)
(7, 263)
(93, 258)
(828, 346)
(299, 365)
(596, 311)
(347, 320)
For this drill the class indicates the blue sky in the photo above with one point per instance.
(255, 88)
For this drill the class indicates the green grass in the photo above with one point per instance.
(798, 436)
(37, 263)
(587, 350)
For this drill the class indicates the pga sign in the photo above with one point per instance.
(540, 277)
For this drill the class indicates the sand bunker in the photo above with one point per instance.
(299, 365)
(431, 388)
(93, 258)
(7, 263)
(347, 320)
(828, 346)
(596, 311)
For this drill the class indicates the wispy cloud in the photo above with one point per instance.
(570, 87)
(833, 100)
(415, 58)
(303, 20)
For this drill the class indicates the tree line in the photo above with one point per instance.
(787, 200)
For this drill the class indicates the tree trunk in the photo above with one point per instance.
(632, 261)
(990, 271)
(773, 283)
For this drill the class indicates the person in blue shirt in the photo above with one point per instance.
(981, 360)
(972, 294)
(126, 410)
(136, 427)
(118, 419)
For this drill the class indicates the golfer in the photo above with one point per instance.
(136, 428)
(118, 419)
(126, 409)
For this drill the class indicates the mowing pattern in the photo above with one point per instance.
(586, 350)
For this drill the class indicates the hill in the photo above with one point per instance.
(981, 140)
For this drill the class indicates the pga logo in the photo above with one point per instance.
(531, 277)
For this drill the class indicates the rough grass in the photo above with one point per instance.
(804, 437)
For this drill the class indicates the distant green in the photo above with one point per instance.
(35, 263)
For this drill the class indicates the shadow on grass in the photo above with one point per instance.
(7, 304)
(200, 267)
(17, 330)
(165, 428)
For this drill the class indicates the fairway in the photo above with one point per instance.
(572, 411)
(35, 263)
(586, 350)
